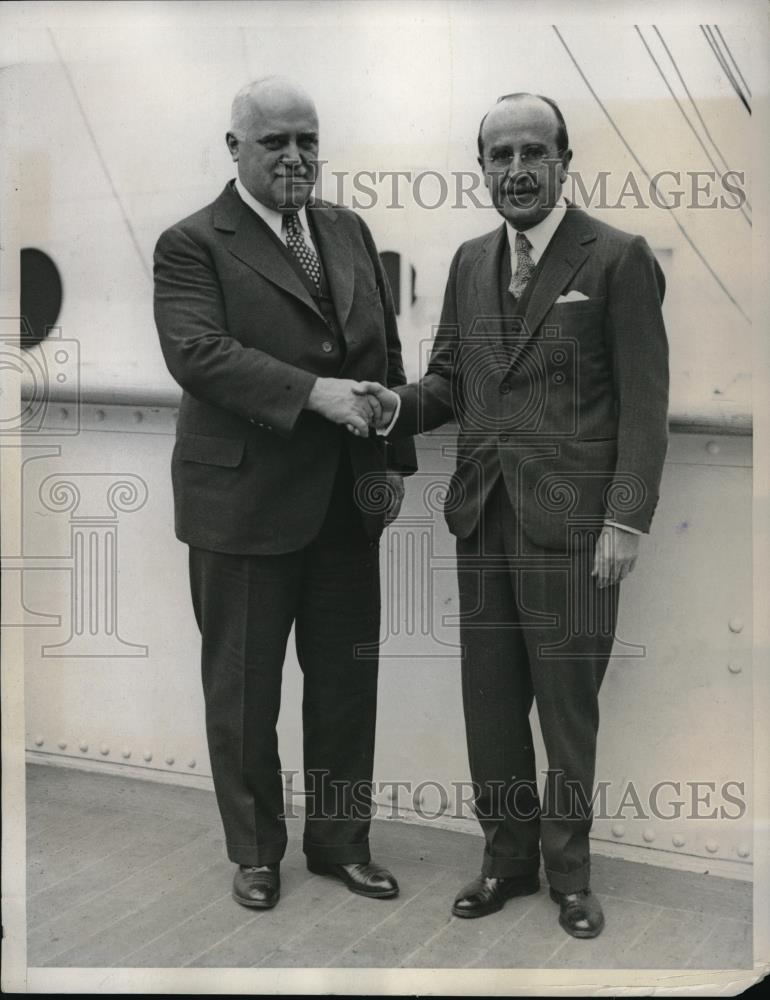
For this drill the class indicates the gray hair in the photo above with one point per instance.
(244, 101)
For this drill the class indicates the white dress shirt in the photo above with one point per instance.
(274, 219)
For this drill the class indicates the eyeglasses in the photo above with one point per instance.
(528, 158)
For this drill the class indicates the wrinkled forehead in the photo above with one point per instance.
(520, 121)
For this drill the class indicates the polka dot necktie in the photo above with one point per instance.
(525, 266)
(305, 254)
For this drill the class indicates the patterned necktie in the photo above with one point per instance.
(305, 254)
(524, 266)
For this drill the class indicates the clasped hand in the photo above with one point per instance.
(358, 406)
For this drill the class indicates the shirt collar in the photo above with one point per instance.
(541, 234)
(270, 216)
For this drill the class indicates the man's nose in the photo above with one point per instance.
(291, 153)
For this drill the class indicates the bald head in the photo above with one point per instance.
(524, 153)
(268, 94)
(273, 138)
(547, 106)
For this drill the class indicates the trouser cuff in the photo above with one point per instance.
(494, 867)
(572, 881)
(257, 854)
(337, 854)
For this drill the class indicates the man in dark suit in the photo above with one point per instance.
(270, 307)
(552, 356)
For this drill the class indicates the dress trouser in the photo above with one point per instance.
(533, 625)
(245, 606)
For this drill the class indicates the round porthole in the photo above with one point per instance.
(41, 296)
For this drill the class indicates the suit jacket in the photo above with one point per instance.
(253, 470)
(567, 400)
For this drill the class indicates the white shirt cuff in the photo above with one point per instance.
(623, 527)
(386, 430)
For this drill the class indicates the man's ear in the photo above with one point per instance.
(480, 161)
(232, 145)
(564, 165)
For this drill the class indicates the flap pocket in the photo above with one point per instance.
(226, 452)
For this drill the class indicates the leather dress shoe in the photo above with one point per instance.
(485, 894)
(259, 887)
(580, 913)
(365, 879)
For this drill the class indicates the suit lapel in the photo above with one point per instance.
(254, 244)
(565, 254)
(336, 259)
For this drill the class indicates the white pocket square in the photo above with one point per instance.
(573, 296)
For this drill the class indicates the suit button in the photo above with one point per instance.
(327, 347)
(504, 389)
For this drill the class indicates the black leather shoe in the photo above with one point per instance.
(580, 913)
(259, 887)
(485, 895)
(367, 880)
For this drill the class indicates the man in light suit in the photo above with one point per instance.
(552, 357)
(270, 307)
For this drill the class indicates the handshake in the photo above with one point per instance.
(358, 406)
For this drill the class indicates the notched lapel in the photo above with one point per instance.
(254, 244)
(336, 259)
(565, 255)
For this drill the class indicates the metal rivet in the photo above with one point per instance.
(147, 755)
(83, 746)
(99, 415)
(169, 760)
(64, 413)
(39, 741)
(734, 668)
(191, 762)
(712, 448)
(618, 830)
(125, 752)
(138, 416)
(649, 836)
(104, 749)
(743, 850)
(61, 357)
(678, 840)
(712, 846)
(735, 624)
(62, 744)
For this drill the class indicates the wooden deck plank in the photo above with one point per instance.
(126, 852)
(102, 841)
(131, 872)
(728, 946)
(391, 941)
(79, 924)
(462, 942)
(114, 945)
(303, 898)
(332, 932)
(185, 941)
(627, 920)
(531, 935)
(670, 941)
(673, 889)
